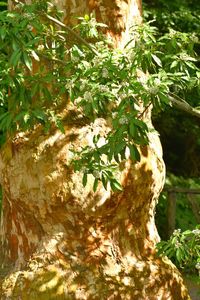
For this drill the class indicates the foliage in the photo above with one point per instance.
(181, 146)
(44, 63)
(3, 5)
(177, 14)
(184, 215)
(179, 133)
(183, 248)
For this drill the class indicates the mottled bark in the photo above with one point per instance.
(63, 241)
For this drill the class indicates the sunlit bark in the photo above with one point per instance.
(63, 241)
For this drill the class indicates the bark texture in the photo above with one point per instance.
(62, 241)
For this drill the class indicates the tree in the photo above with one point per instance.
(61, 240)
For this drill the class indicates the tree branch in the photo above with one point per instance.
(184, 106)
(67, 28)
(178, 103)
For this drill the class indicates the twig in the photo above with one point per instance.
(67, 28)
(145, 109)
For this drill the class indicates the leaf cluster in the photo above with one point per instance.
(44, 63)
(183, 248)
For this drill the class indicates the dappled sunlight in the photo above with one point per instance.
(88, 257)
(81, 167)
(67, 278)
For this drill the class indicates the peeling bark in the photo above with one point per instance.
(62, 241)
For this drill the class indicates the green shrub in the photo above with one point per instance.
(183, 248)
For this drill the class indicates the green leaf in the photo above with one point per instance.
(95, 185)
(157, 60)
(134, 153)
(116, 157)
(174, 64)
(27, 60)
(5, 121)
(4, 115)
(47, 94)
(104, 181)
(84, 180)
(26, 117)
(190, 65)
(15, 44)
(164, 98)
(2, 3)
(3, 32)
(39, 114)
(109, 173)
(115, 185)
(35, 56)
(132, 129)
(15, 57)
(35, 89)
(140, 124)
(169, 252)
(59, 124)
(122, 153)
(179, 255)
(96, 138)
(87, 17)
(11, 15)
(119, 147)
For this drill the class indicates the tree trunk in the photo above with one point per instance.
(62, 241)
